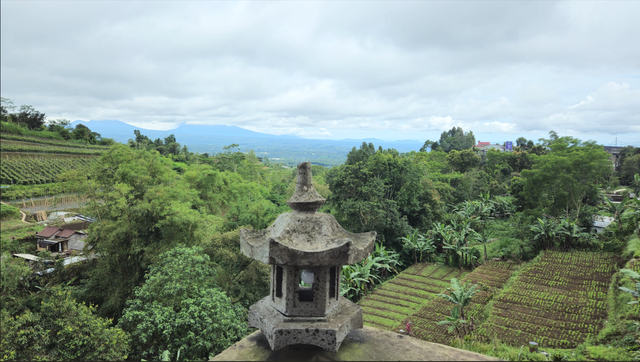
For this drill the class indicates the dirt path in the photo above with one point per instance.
(23, 215)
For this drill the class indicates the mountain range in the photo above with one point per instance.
(285, 149)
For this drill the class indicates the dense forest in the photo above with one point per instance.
(168, 280)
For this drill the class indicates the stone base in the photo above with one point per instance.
(326, 332)
(366, 344)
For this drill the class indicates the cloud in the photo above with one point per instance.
(330, 69)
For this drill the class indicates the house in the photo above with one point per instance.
(58, 240)
(601, 222)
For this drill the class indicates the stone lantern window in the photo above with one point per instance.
(306, 251)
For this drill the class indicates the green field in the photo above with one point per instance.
(399, 298)
(491, 276)
(33, 161)
(558, 301)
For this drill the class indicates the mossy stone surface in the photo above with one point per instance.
(367, 344)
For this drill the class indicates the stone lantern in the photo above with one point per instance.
(306, 250)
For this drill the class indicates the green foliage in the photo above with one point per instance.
(243, 279)
(62, 330)
(460, 295)
(39, 170)
(14, 273)
(636, 277)
(463, 161)
(419, 245)
(178, 309)
(454, 139)
(564, 179)
(9, 212)
(381, 191)
(6, 127)
(600, 353)
(145, 209)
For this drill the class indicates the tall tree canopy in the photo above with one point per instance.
(454, 139)
(146, 209)
(178, 308)
(381, 191)
(565, 178)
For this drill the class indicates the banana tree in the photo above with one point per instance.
(545, 230)
(460, 295)
(617, 209)
(636, 277)
(484, 240)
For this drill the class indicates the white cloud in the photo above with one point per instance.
(329, 69)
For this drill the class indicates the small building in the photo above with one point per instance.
(601, 222)
(58, 240)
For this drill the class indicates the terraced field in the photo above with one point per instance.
(558, 301)
(399, 298)
(32, 161)
(491, 276)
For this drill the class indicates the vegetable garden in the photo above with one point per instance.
(491, 276)
(392, 302)
(32, 171)
(558, 301)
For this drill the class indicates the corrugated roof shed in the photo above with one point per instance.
(48, 232)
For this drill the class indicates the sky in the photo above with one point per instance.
(390, 70)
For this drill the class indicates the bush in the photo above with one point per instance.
(9, 212)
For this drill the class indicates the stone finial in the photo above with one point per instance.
(305, 198)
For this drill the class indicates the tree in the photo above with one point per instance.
(60, 126)
(565, 179)
(629, 168)
(545, 231)
(381, 191)
(417, 244)
(521, 142)
(144, 209)
(31, 118)
(6, 109)
(62, 330)
(426, 146)
(455, 139)
(460, 295)
(83, 133)
(484, 240)
(463, 161)
(179, 309)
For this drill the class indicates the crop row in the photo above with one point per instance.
(561, 300)
(495, 324)
(552, 321)
(10, 138)
(17, 192)
(40, 148)
(404, 295)
(26, 171)
(425, 321)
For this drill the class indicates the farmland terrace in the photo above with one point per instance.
(557, 301)
(490, 276)
(409, 291)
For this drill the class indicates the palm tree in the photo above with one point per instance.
(617, 209)
(460, 295)
(545, 230)
(484, 240)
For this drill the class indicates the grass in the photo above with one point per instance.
(22, 232)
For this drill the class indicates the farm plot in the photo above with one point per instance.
(558, 301)
(491, 276)
(392, 302)
(39, 170)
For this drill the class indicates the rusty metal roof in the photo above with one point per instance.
(48, 232)
(65, 233)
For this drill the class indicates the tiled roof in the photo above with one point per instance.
(48, 232)
(483, 143)
(65, 233)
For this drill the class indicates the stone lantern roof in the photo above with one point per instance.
(304, 236)
(306, 250)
